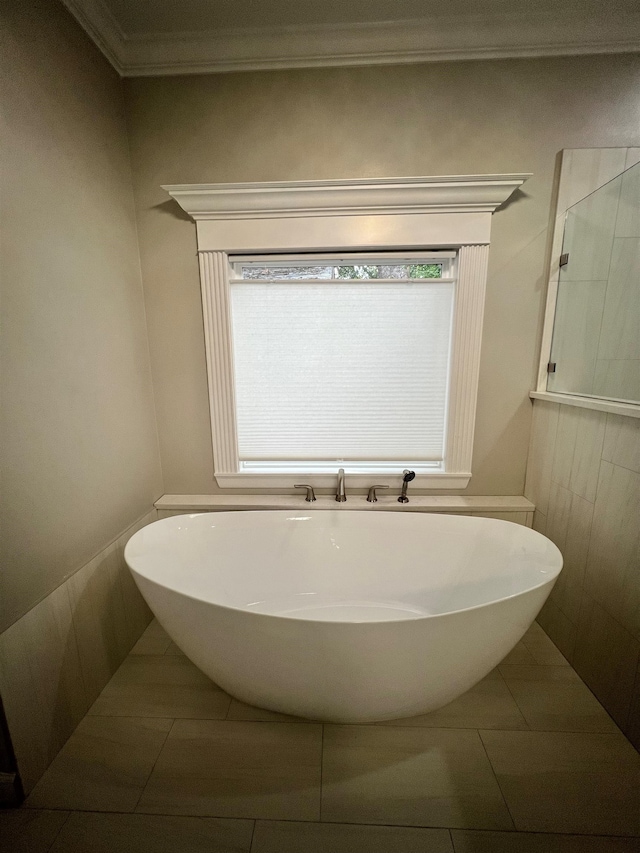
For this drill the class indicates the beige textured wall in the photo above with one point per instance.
(431, 119)
(80, 453)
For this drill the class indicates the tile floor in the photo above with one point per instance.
(166, 762)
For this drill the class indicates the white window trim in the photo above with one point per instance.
(389, 214)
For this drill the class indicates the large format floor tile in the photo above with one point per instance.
(520, 655)
(240, 711)
(488, 705)
(409, 776)
(568, 782)
(29, 831)
(238, 769)
(154, 641)
(138, 833)
(544, 652)
(196, 784)
(553, 698)
(161, 686)
(466, 841)
(292, 837)
(103, 766)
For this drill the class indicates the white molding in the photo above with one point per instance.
(444, 194)
(631, 410)
(214, 277)
(417, 503)
(434, 39)
(382, 222)
(465, 357)
(327, 233)
(99, 23)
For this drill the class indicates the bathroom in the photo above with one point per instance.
(107, 427)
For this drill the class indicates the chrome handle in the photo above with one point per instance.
(407, 477)
(311, 495)
(372, 498)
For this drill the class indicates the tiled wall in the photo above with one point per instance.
(56, 659)
(584, 477)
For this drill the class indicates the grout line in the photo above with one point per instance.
(547, 637)
(543, 833)
(469, 728)
(495, 776)
(496, 669)
(321, 771)
(83, 679)
(514, 832)
(147, 717)
(391, 725)
(517, 704)
(62, 826)
(615, 465)
(609, 614)
(142, 790)
(635, 692)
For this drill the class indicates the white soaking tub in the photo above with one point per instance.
(344, 616)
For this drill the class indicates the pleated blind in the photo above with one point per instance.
(349, 370)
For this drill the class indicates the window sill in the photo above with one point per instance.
(432, 480)
(631, 410)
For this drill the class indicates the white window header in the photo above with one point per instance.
(381, 214)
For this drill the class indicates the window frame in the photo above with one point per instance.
(446, 259)
(408, 215)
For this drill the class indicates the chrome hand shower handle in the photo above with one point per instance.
(407, 477)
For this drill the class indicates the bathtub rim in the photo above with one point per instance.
(335, 622)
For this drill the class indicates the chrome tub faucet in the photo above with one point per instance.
(340, 494)
(372, 497)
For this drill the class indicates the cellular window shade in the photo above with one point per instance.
(341, 371)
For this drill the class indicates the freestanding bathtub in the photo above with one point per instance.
(344, 616)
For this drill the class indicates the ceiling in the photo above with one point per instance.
(148, 37)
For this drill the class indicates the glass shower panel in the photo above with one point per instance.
(596, 333)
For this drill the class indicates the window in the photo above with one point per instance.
(373, 287)
(342, 361)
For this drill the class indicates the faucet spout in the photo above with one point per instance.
(340, 494)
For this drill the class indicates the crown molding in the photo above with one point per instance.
(98, 22)
(445, 194)
(440, 38)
